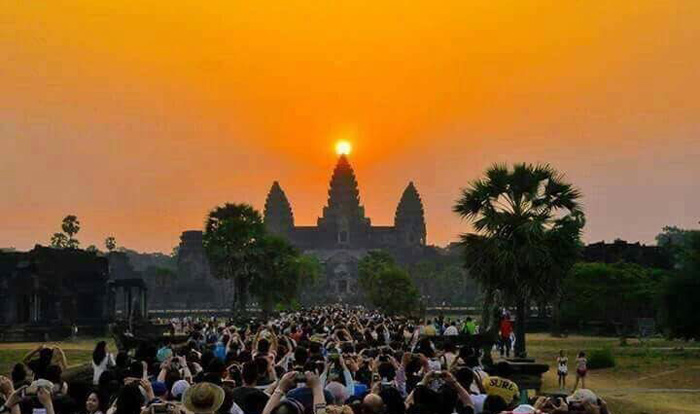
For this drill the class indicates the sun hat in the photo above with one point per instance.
(582, 395)
(504, 388)
(204, 397)
(179, 388)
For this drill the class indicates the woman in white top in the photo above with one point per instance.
(101, 360)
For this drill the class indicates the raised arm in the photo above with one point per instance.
(30, 354)
(62, 360)
(284, 384)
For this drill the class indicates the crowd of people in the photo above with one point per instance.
(326, 360)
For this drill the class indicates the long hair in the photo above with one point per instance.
(45, 356)
(100, 352)
(130, 400)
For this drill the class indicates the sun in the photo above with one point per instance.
(343, 148)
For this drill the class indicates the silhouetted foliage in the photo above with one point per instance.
(110, 243)
(680, 308)
(232, 237)
(281, 266)
(527, 224)
(611, 293)
(71, 227)
(386, 285)
(59, 241)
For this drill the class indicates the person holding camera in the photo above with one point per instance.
(37, 396)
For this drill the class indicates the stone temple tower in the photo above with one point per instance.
(409, 220)
(344, 222)
(279, 218)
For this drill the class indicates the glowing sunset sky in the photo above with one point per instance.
(140, 116)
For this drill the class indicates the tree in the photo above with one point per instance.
(232, 240)
(372, 265)
(71, 227)
(386, 285)
(616, 293)
(110, 244)
(679, 310)
(59, 241)
(92, 249)
(280, 265)
(518, 216)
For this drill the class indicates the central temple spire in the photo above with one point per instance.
(343, 207)
(343, 193)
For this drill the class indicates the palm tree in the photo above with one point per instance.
(522, 219)
(71, 226)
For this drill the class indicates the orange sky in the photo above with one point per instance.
(139, 116)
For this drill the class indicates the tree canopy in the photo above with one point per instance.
(267, 266)
(232, 237)
(679, 305)
(610, 293)
(527, 224)
(386, 285)
(70, 225)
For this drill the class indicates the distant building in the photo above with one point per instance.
(183, 282)
(622, 251)
(45, 291)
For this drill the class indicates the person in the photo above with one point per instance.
(562, 369)
(451, 330)
(95, 404)
(19, 375)
(346, 360)
(248, 397)
(581, 370)
(469, 326)
(101, 360)
(291, 405)
(203, 398)
(506, 329)
(44, 360)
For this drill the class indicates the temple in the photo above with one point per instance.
(343, 234)
(344, 224)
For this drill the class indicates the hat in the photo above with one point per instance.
(340, 393)
(159, 388)
(179, 388)
(164, 353)
(582, 395)
(501, 387)
(204, 397)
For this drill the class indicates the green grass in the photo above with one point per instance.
(77, 352)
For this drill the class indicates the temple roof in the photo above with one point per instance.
(278, 211)
(410, 206)
(343, 194)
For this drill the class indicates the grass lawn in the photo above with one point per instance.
(648, 378)
(77, 352)
(655, 377)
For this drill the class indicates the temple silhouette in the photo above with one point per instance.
(343, 234)
(344, 224)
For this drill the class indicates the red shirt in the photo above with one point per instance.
(506, 328)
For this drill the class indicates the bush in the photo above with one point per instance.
(601, 358)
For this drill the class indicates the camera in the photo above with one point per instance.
(161, 408)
